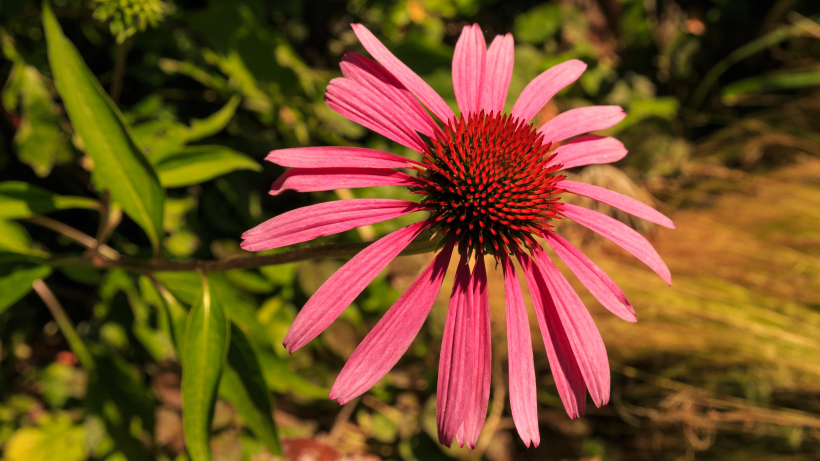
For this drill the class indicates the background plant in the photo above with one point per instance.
(131, 161)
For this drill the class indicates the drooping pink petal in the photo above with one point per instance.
(338, 157)
(621, 234)
(593, 277)
(581, 120)
(479, 300)
(497, 73)
(328, 218)
(564, 367)
(410, 79)
(382, 348)
(523, 403)
(456, 364)
(371, 110)
(587, 150)
(619, 201)
(583, 335)
(318, 179)
(349, 281)
(401, 102)
(460, 436)
(542, 88)
(468, 69)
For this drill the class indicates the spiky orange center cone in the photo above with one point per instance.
(489, 183)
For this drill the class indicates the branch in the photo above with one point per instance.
(80, 237)
(325, 251)
(64, 323)
(421, 245)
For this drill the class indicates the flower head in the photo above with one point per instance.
(491, 185)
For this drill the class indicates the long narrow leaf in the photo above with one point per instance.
(196, 164)
(119, 165)
(206, 342)
(20, 200)
(243, 385)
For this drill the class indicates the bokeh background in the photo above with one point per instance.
(723, 130)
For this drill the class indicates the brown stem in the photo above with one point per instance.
(119, 70)
(64, 323)
(76, 235)
(324, 251)
(109, 220)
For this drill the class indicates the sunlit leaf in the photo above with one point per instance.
(56, 438)
(15, 239)
(243, 385)
(159, 138)
(202, 128)
(119, 166)
(40, 140)
(20, 200)
(196, 164)
(17, 282)
(206, 344)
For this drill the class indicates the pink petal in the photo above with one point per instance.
(583, 335)
(619, 201)
(460, 436)
(523, 403)
(338, 157)
(370, 110)
(593, 277)
(318, 179)
(497, 73)
(346, 284)
(410, 79)
(382, 83)
(564, 367)
(308, 223)
(542, 88)
(581, 120)
(621, 234)
(479, 301)
(456, 364)
(468, 69)
(587, 150)
(382, 348)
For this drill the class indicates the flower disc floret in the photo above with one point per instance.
(490, 183)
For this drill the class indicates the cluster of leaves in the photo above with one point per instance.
(106, 326)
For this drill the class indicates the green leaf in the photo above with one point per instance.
(213, 124)
(196, 164)
(769, 82)
(117, 395)
(243, 385)
(281, 378)
(14, 238)
(17, 283)
(186, 286)
(206, 343)
(119, 165)
(159, 138)
(40, 140)
(20, 200)
(757, 45)
(56, 438)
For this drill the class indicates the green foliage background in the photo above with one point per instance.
(132, 139)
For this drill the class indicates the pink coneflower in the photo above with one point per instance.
(490, 183)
